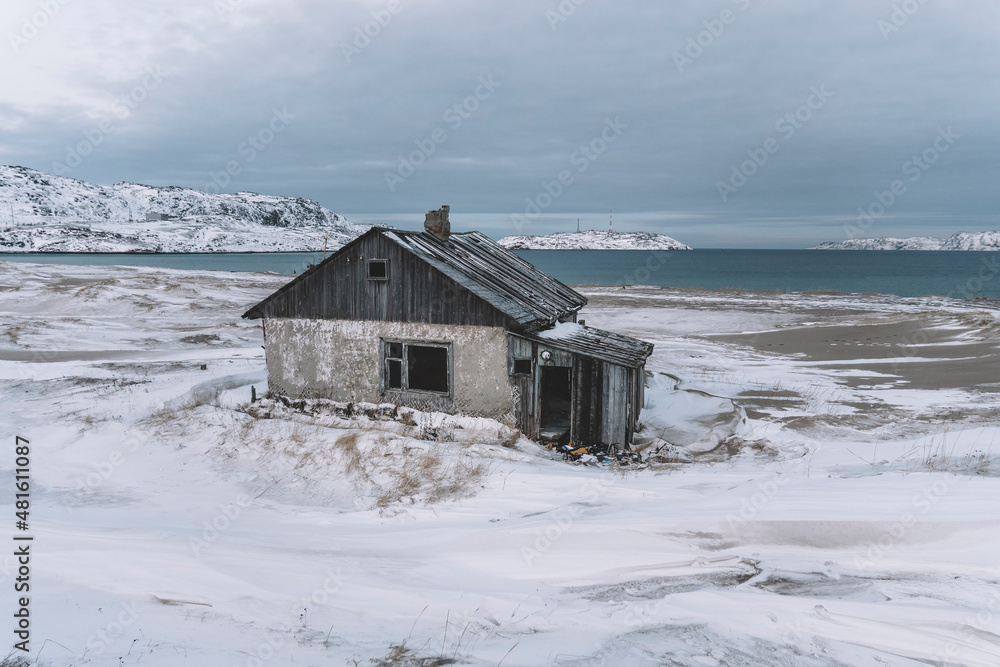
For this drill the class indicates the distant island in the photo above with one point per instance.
(44, 213)
(593, 240)
(960, 241)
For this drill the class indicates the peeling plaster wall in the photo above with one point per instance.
(341, 360)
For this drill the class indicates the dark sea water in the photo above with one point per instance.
(900, 272)
(278, 262)
(904, 273)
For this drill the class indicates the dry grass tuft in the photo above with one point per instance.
(431, 475)
(15, 661)
(347, 444)
(510, 441)
(389, 458)
(401, 656)
(172, 413)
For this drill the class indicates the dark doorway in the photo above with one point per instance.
(555, 394)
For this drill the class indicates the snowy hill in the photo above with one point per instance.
(960, 241)
(45, 213)
(593, 240)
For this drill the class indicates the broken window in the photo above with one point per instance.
(427, 368)
(378, 269)
(417, 367)
(394, 374)
(522, 367)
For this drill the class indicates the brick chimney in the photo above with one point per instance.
(437, 223)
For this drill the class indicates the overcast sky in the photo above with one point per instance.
(722, 123)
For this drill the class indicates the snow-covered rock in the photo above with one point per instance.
(46, 213)
(973, 241)
(960, 241)
(593, 240)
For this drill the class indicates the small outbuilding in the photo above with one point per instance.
(455, 323)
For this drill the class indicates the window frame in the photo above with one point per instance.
(368, 269)
(513, 366)
(405, 370)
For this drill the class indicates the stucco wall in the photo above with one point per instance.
(341, 360)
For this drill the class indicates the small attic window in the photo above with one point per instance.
(378, 269)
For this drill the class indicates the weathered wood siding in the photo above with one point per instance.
(587, 410)
(414, 292)
(606, 397)
(557, 357)
(616, 394)
(523, 385)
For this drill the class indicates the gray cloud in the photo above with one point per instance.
(230, 69)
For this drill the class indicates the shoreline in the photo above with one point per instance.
(985, 302)
(969, 278)
(162, 254)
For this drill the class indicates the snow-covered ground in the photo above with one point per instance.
(47, 213)
(960, 241)
(593, 240)
(849, 515)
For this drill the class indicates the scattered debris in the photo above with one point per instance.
(598, 453)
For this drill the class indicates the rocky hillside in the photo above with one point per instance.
(960, 241)
(593, 240)
(44, 213)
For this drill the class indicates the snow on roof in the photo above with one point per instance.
(605, 345)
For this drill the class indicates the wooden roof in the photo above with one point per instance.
(508, 283)
(529, 297)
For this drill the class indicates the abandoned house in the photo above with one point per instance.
(456, 323)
